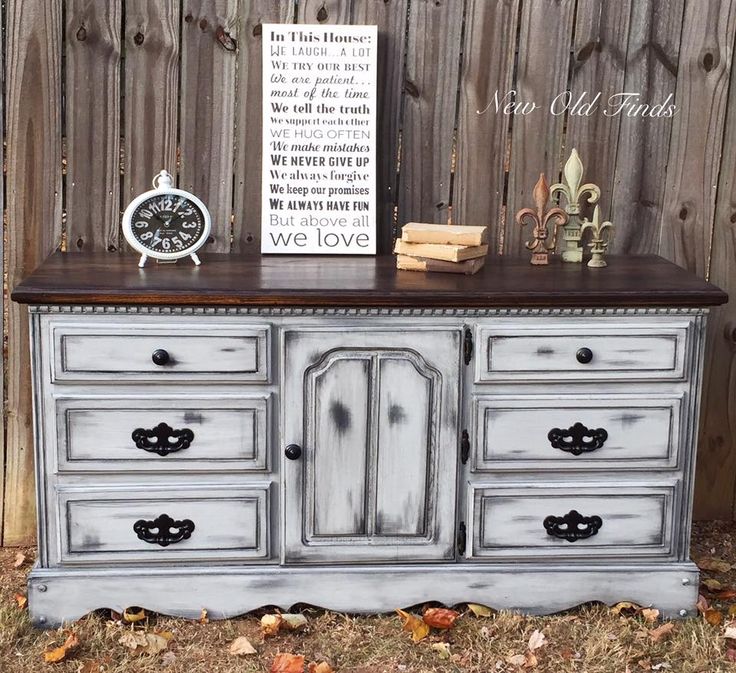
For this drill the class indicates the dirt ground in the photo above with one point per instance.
(589, 639)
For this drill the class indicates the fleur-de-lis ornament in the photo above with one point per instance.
(543, 242)
(573, 192)
(602, 233)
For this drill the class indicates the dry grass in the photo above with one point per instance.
(590, 639)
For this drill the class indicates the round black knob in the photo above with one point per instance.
(293, 452)
(584, 355)
(160, 357)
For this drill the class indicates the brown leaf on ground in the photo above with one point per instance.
(321, 667)
(288, 663)
(241, 646)
(646, 664)
(536, 640)
(731, 654)
(442, 649)
(133, 639)
(626, 609)
(714, 565)
(293, 622)
(149, 643)
(729, 631)
(440, 618)
(21, 600)
(661, 632)
(712, 584)
(133, 615)
(203, 618)
(62, 652)
(480, 610)
(702, 604)
(516, 659)
(20, 559)
(713, 617)
(96, 666)
(650, 615)
(270, 624)
(726, 594)
(418, 628)
(732, 610)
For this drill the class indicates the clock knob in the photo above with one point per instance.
(293, 452)
(584, 355)
(160, 357)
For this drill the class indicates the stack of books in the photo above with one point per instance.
(441, 247)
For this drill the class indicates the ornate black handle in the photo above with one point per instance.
(163, 530)
(573, 526)
(584, 356)
(160, 357)
(162, 439)
(577, 439)
(293, 452)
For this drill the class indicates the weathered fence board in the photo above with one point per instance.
(151, 90)
(323, 11)
(208, 45)
(33, 186)
(641, 162)
(536, 138)
(92, 106)
(486, 75)
(697, 134)
(430, 97)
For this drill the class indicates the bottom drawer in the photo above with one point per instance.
(590, 520)
(156, 524)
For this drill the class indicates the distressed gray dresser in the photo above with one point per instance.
(266, 431)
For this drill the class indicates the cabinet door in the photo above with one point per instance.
(375, 413)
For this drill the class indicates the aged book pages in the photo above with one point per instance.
(449, 253)
(468, 267)
(448, 234)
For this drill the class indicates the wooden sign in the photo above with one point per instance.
(319, 139)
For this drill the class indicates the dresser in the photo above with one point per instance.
(278, 430)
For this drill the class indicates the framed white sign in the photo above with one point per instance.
(319, 139)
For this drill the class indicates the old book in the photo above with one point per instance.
(468, 267)
(449, 253)
(444, 234)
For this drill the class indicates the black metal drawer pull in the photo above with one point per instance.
(162, 439)
(160, 357)
(577, 439)
(163, 530)
(573, 526)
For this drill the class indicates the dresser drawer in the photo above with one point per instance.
(581, 351)
(161, 523)
(114, 352)
(118, 434)
(586, 521)
(574, 431)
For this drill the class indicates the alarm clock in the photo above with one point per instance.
(166, 223)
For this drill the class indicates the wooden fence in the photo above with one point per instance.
(100, 95)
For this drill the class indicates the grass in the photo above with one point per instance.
(589, 639)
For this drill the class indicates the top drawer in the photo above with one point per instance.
(582, 351)
(154, 352)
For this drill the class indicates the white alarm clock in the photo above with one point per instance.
(166, 223)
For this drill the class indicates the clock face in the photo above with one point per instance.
(168, 223)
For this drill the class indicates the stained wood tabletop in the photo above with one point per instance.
(233, 280)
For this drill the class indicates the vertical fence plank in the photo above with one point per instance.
(3, 300)
(207, 112)
(598, 65)
(33, 79)
(324, 11)
(543, 63)
(482, 136)
(643, 141)
(249, 124)
(430, 97)
(151, 73)
(92, 85)
(391, 21)
(697, 135)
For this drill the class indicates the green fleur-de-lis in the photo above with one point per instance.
(601, 235)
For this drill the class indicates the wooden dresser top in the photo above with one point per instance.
(231, 280)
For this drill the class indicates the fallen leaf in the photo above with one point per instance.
(661, 666)
(731, 654)
(115, 616)
(443, 649)
(646, 664)
(203, 618)
(270, 624)
(418, 628)
(60, 653)
(21, 600)
(133, 615)
(650, 615)
(516, 659)
(288, 663)
(625, 608)
(726, 594)
(567, 653)
(712, 584)
(485, 632)
(536, 640)
(661, 632)
(133, 639)
(95, 666)
(702, 604)
(732, 611)
(714, 564)
(155, 643)
(168, 659)
(20, 559)
(293, 622)
(241, 646)
(530, 660)
(480, 610)
(321, 667)
(440, 618)
(150, 643)
(713, 617)
(730, 631)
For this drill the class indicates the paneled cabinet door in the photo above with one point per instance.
(370, 421)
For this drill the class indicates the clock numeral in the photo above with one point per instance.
(166, 244)
(147, 214)
(145, 236)
(175, 240)
(189, 225)
(185, 236)
(140, 224)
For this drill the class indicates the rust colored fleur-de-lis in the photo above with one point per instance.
(543, 241)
